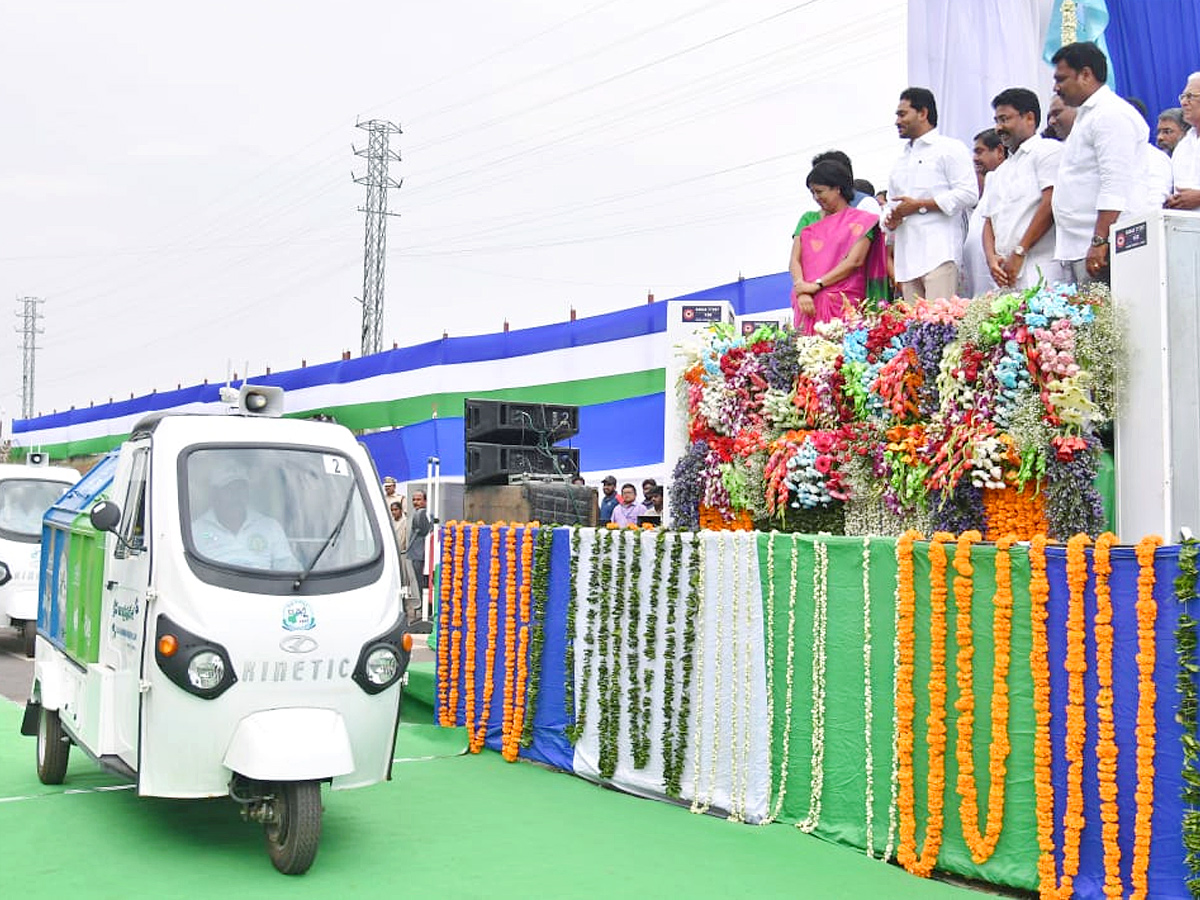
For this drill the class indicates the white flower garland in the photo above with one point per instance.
(893, 809)
(820, 599)
(790, 678)
(770, 664)
(718, 642)
(696, 558)
(750, 561)
(735, 814)
(868, 699)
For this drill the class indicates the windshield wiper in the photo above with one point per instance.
(333, 536)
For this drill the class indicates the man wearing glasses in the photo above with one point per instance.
(1185, 161)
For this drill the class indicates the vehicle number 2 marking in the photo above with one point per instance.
(336, 465)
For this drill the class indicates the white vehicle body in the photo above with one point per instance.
(26, 492)
(280, 630)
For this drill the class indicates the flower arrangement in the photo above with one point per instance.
(920, 408)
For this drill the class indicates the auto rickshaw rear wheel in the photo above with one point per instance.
(29, 633)
(53, 748)
(293, 836)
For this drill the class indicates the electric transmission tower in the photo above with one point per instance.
(378, 155)
(29, 331)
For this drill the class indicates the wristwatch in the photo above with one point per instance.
(1098, 241)
(1018, 250)
(922, 210)
(820, 282)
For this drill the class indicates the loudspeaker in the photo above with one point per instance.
(527, 424)
(496, 463)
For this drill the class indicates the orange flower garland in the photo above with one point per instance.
(936, 721)
(1020, 513)
(450, 576)
(711, 519)
(1147, 612)
(510, 628)
(983, 846)
(512, 740)
(479, 732)
(1039, 595)
(469, 651)
(1106, 740)
(471, 536)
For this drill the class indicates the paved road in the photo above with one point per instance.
(16, 671)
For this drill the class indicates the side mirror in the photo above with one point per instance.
(5, 575)
(105, 516)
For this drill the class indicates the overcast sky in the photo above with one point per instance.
(176, 184)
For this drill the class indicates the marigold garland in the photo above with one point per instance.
(451, 544)
(712, 519)
(1039, 663)
(479, 732)
(923, 864)
(471, 536)
(510, 630)
(983, 846)
(512, 740)
(468, 664)
(1106, 734)
(1147, 613)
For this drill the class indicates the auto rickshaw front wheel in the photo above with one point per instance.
(53, 748)
(295, 830)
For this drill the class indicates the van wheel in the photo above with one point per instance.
(29, 632)
(53, 748)
(293, 837)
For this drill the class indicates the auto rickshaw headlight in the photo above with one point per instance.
(206, 670)
(382, 665)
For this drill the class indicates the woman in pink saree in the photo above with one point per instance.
(839, 261)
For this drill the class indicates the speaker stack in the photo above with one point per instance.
(515, 472)
(507, 442)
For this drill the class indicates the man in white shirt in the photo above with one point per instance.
(1017, 234)
(988, 153)
(1185, 160)
(1102, 172)
(931, 186)
(231, 532)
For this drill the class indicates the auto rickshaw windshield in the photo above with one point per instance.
(23, 502)
(276, 509)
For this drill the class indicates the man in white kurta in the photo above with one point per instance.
(1102, 171)
(1185, 160)
(931, 188)
(1018, 236)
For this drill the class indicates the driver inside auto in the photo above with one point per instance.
(230, 531)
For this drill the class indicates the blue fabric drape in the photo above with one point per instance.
(1167, 870)
(1153, 46)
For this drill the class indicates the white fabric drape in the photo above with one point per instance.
(967, 53)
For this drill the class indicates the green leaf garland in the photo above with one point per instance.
(611, 616)
(572, 607)
(641, 751)
(1189, 704)
(540, 588)
(671, 774)
(579, 712)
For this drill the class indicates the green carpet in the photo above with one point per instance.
(455, 826)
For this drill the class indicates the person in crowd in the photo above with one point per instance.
(627, 511)
(931, 186)
(389, 491)
(1171, 129)
(1102, 171)
(838, 261)
(864, 200)
(419, 527)
(1060, 119)
(989, 152)
(231, 531)
(578, 481)
(881, 198)
(608, 498)
(655, 507)
(1157, 163)
(1018, 233)
(409, 589)
(1185, 161)
(862, 186)
(648, 485)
